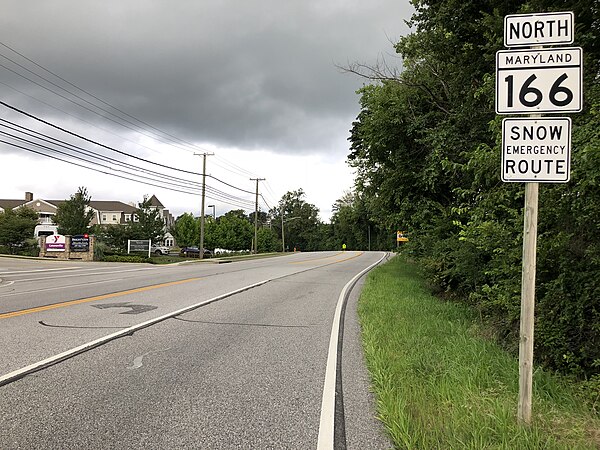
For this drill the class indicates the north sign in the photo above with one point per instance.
(521, 30)
(539, 81)
(536, 150)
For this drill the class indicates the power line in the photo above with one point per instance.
(64, 130)
(225, 164)
(120, 176)
(233, 168)
(160, 138)
(171, 183)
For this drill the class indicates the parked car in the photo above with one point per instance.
(159, 250)
(194, 252)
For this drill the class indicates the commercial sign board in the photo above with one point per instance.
(138, 245)
(536, 150)
(80, 243)
(538, 29)
(55, 243)
(539, 81)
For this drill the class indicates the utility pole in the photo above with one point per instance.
(256, 215)
(282, 233)
(201, 248)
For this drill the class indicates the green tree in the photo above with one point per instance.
(267, 241)
(114, 236)
(17, 227)
(426, 149)
(233, 231)
(185, 230)
(73, 216)
(149, 223)
(351, 224)
(301, 222)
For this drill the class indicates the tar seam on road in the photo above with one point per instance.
(49, 325)
(339, 421)
(327, 424)
(241, 324)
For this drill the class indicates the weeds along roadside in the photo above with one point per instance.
(439, 384)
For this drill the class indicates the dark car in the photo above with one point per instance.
(194, 252)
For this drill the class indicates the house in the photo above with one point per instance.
(169, 240)
(105, 213)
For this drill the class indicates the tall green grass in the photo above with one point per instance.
(441, 386)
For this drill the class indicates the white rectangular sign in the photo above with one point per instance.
(538, 29)
(536, 150)
(539, 81)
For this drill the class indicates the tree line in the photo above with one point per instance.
(426, 147)
(294, 224)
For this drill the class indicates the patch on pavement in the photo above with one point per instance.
(135, 309)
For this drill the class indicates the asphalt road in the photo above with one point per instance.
(231, 356)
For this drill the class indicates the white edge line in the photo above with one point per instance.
(20, 373)
(327, 421)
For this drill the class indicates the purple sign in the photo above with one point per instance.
(55, 243)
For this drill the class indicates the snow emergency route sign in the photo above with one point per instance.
(536, 150)
(539, 81)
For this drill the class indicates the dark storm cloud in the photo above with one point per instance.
(255, 74)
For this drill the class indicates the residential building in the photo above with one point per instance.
(105, 213)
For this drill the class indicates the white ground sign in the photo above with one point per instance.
(538, 29)
(536, 150)
(539, 81)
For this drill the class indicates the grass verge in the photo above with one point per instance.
(441, 386)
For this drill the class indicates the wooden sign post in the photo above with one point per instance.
(527, 303)
(535, 149)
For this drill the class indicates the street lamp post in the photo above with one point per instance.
(214, 214)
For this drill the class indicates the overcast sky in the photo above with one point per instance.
(255, 83)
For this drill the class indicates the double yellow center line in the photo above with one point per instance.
(328, 257)
(23, 312)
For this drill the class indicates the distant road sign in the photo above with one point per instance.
(400, 236)
(538, 29)
(539, 81)
(536, 150)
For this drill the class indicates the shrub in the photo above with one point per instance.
(126, 259)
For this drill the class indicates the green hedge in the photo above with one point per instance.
(126, 259)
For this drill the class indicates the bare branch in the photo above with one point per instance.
(382, 71)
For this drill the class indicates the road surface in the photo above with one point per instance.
(201, 355)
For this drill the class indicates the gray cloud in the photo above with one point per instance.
(249, 75)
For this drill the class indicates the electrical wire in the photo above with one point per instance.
(133, 127)
(48, 139)
(114, 149)
(222, 162)
(167, 181)
(232, 167)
